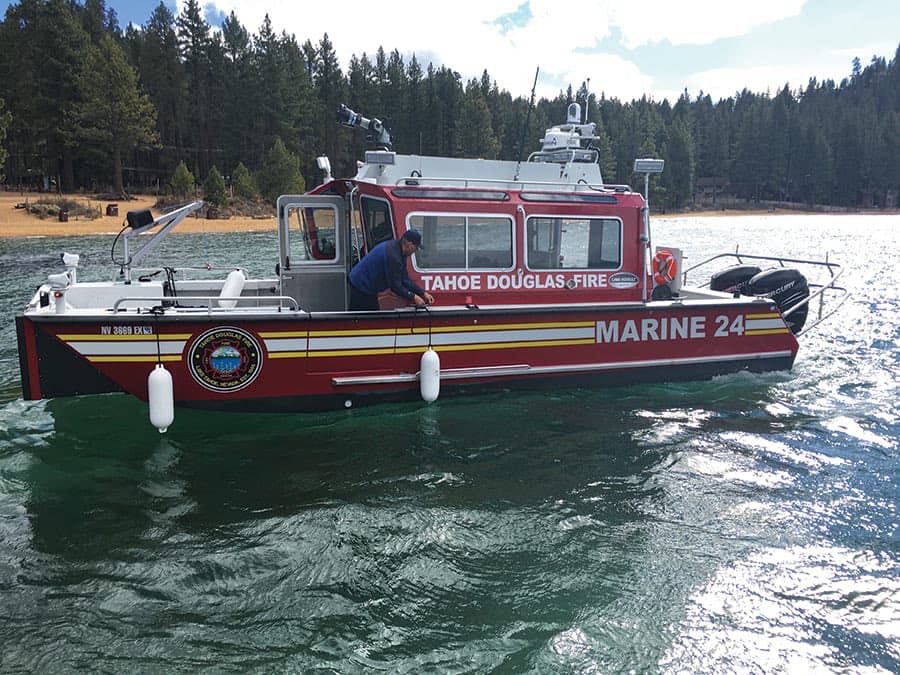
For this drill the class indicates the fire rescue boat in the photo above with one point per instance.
(543, 275)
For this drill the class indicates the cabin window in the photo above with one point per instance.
(464, 242)
(574, 243)
(318, 233)
(379, 226)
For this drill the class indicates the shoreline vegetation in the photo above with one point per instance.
(91, 215)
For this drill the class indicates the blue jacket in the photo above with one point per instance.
(384, 267)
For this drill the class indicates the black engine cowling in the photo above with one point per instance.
(786, 287)
(733, 279)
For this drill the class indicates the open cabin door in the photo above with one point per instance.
(313, 249)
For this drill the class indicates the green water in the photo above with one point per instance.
(746, 524)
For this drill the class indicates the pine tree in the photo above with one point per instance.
(243, 183)
(678, 177)
(296, 91)
(98, 20)
(198, 52)
(474, 133)
(329, 87)
(162, 77)
(214, 190)
(42, 47)
(416, 100)
(395, 113)
(113, 112)
(264, 124)
(240, 102)
(183, 181)
(280, 173)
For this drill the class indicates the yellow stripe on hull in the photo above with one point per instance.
(770, 331)
(172, 358)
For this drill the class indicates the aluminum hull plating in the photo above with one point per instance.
(296, 361)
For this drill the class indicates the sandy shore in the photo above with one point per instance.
(16, 222)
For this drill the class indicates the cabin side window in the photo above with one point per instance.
(379, 226)
(463, 241)
(574, 243)
(318, 233)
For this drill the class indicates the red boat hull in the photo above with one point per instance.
(317, 362)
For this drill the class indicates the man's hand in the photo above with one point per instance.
(419, 301)
(429, 298)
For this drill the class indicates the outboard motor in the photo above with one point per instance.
(734, 279)
(786, 287)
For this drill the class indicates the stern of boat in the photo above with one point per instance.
(50, 369)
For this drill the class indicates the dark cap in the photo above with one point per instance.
(415, 237)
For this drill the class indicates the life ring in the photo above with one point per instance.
(665, 268)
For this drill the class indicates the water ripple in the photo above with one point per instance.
(746, 524)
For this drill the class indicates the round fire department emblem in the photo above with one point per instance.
(225, 359)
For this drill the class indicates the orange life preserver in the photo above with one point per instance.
(665, 268)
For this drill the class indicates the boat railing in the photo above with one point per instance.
(819, 289)
(509, 184)
(247, 303)
(566, 156)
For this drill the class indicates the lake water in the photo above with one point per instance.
(746, 524)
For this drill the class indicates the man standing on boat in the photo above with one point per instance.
(383, 268)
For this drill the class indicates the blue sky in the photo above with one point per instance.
(656, 47)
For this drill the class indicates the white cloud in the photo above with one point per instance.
(680, 23)
(725, 82)
(561, 40)
(887, 49)
(695, 21)
(612, 75)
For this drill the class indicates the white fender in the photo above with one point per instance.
(234, 284)
(430, 375)
(161, 397)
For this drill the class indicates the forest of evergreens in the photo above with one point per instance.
(86, 104)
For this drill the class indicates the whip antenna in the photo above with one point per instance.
(527, 120)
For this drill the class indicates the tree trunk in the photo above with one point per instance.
(118, 186)
(68, 171)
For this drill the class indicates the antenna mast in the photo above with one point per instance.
(527, 121)
(587, 100)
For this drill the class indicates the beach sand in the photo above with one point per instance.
(15, 222)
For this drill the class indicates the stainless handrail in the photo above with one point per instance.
(834, 269)
(739, 257)
(427, 181)
(209, 299)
